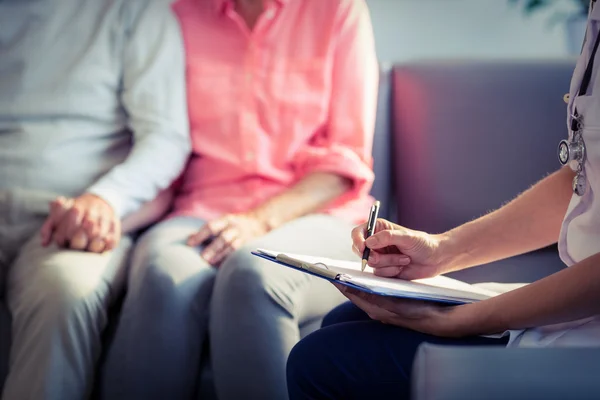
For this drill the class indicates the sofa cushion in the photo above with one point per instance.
(469, 136)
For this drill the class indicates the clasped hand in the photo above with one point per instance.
(86, 223)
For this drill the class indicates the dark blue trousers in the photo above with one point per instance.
(354, 357)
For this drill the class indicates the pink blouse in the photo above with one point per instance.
(295, 95)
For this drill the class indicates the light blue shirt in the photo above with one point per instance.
(92, 98)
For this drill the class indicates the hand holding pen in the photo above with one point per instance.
(394, 251)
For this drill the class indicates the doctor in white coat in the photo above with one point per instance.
(560, 310)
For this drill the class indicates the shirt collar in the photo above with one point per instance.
(221, 5)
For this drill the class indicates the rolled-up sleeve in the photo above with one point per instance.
(344, 145)
(153, 95)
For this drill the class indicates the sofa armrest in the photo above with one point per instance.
(485, 373)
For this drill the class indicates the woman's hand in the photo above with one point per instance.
(400, 252)
(422, 316)
(227, 234)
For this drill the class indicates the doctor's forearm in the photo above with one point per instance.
(529, 222)
(308, 195)
(568, 295)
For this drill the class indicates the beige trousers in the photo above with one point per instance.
(58, 301)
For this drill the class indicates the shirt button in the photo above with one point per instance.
(270, 14)
(249, 155)
(566, 98)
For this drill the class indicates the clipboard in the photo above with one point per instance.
(384, 286)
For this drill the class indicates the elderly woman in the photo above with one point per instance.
(282, 100)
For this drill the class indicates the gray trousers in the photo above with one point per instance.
(58, 301)
(251, 309)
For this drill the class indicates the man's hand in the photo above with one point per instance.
(422, 316)
(227, 234)
(400, 252)
(85, 223)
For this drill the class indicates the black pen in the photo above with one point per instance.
(370, 230)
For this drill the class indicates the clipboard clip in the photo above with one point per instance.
(314, 268)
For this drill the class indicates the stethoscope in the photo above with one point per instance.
(572, 152)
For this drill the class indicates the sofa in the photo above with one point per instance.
(455, 139)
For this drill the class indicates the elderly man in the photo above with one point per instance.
(92, 112)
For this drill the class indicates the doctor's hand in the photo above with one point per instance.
(86, 223)
(422, 316)
(227, 234)
(400, 252)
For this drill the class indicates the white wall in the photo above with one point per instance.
(417, 29)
